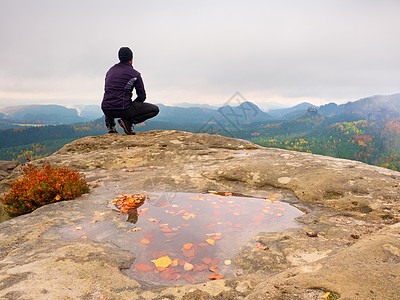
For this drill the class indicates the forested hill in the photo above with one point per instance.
(367, 130)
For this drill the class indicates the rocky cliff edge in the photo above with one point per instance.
(353, 207)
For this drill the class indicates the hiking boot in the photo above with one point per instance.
(111, 129)
(127, 127)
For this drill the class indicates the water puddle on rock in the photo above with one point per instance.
(184, 238)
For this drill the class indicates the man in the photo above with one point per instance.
(117, 102)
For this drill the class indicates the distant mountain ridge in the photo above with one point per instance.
(373, 108)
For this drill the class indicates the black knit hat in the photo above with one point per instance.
(125, 54)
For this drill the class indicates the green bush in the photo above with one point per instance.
(41, 186)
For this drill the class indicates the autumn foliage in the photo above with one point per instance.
(41, 186)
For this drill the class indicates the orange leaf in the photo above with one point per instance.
(159, 254)
(166, 229)
(202, 245)
(170, 234)
(206, 260)
(145, 241)
(199, 268)
(189, 277)
(78, 227)
(259, 246)
(143, 267)
(213, 269)
(187, 246)
(93, 221)
(83, 237)
(147, 236)
(215, 276)
(189, 252)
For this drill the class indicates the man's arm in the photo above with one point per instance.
(140, 91)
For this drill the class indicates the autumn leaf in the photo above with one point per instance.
(199, 268)
(202, 245)
(162, 262)
(83, 237)
(57, 198)
(143, 267)
(259, 246)
(136, 229)
(78, 227)
(215, 276)
(210, 241)
(206, 260)
(227, 262)
(187, 266)
(145, 241)
(187, 246)
(213, 269)
(170, 234)
(93, 221)
(189, 252)
(189, 277)
(166, 229)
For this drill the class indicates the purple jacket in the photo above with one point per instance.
(121, 79)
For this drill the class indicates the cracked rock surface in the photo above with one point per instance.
(353, 209)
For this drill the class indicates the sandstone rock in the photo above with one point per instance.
(341, 198)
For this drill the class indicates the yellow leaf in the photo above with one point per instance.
(326, 295)
(93, 221)
(78, 227)
(162, 262)
(57, 198)
(227, 262)
(210, 241)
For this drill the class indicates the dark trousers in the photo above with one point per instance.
(137, 113)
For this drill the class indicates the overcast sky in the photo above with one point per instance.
(284, 51)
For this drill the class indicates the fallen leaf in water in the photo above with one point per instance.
(279, 215)
(136, 229)
(227, 194)
(143, 267)
(159, 254)
(189, 277)
(93, 221)
(187, 246)
(145, 241)
(83, 237)
(199, 268)
(206, 260)
(78, 227)
(238, 225)
(170, 234)
(187, 266)
(162, 262)
(215, 276)
(189, 252)
(210, 241)
(227, 262)
(166, 229)
(213, 192)
(102, 214)
(261, 247)
(213, 269)
(202, 245)
(174, 262)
